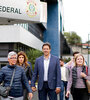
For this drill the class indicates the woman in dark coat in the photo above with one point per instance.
(22, 61)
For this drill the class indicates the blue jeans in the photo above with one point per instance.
(63, 90)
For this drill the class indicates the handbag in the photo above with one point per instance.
(4, 91)
(87, 81)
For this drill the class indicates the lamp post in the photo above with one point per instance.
(88, 49)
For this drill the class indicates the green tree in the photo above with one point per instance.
(88, 42)
(72, 38)
(32, 54)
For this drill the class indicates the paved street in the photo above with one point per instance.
(36, 96)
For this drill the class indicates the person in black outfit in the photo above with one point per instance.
(22, 61)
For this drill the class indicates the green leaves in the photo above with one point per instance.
(32, 55)
(72, 38)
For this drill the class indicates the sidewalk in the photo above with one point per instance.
(35, 97)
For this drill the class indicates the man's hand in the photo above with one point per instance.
(57, 90)
(34, 89)
(30, 95)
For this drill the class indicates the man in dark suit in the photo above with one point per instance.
(47, 68)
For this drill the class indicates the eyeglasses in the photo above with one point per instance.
(13, 58)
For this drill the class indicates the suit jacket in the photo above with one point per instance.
(54, 73)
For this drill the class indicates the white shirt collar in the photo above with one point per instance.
(47, 58)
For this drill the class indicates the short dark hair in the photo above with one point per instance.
(46, 44)
(75, 53)
(61, 59)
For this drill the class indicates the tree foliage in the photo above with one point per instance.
(72, 38)
(32, 54)
(88, 42)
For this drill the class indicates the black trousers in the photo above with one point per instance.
(80, 94)
(47, 91)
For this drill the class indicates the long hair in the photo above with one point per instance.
(25, 58)
(82, 57)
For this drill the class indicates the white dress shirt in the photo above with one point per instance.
(46, 66)
(64, 73)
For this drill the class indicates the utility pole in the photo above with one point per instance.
(88, 48)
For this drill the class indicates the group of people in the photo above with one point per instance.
(53, 76)
(22, 79)
(73, 78)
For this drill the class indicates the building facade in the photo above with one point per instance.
(20, 34)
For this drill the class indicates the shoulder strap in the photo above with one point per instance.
(86, 70)
(12, 77)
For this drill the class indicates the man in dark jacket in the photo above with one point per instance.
(16, 92)
(47, 70)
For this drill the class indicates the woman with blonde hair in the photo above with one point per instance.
(77, 80)
(22, 61)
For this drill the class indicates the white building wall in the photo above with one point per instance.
(11, 34)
